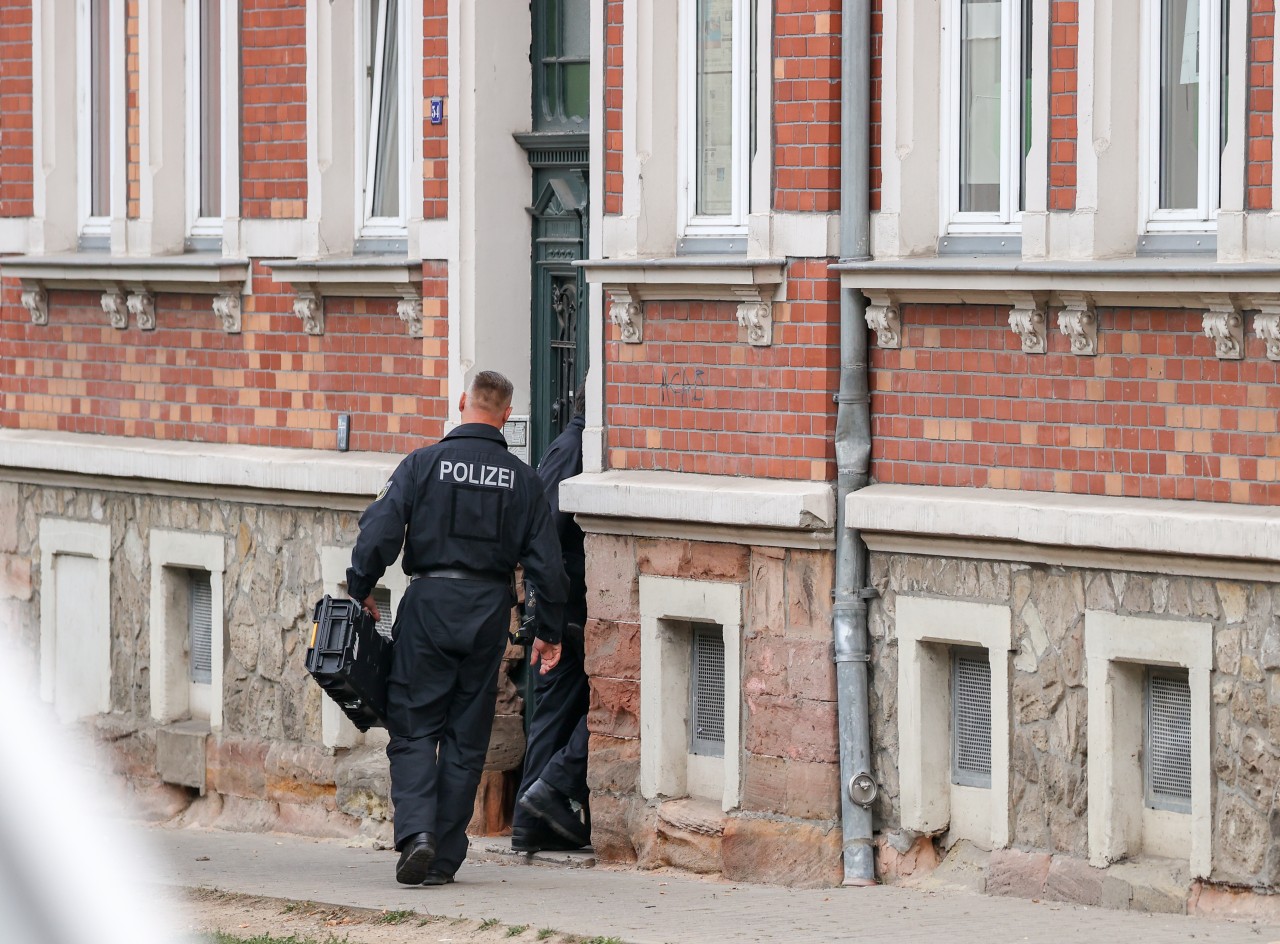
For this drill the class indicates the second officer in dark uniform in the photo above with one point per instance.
(466, 512)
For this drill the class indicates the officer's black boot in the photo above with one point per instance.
(552, 808)
(415, 859)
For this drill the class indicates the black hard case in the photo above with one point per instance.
(350, 660)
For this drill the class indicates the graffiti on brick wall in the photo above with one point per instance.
(682, 385)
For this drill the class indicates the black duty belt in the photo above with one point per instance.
(463, 573)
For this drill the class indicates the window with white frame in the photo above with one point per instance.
(385, 120)
(101, 40)
(205, 117)
(718, 133)
(988, 57)
(1186, 97)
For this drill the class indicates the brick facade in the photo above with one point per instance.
(1154, 415)
(273, 106)
(1064, 37)
(435, 83)
(613, 107)
(15, 108)
(188, 380)
(1261, 79)
(806, 105)
(696, 397)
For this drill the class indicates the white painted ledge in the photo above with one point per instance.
(1132, 525)
(209, 464)
(702, 499)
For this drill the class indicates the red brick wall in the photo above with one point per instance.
(15, 108)
(1262, 15)
(1064, 32)
(696, 397)
(273, 385)
(435, 84)
(806, 105)
(133, 114)
(273, 107)
(613, 107)
(877, 97)
(1155, 415)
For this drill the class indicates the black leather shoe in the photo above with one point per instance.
(541, 840)
(415, 859)
(552, 808)
(437, 878)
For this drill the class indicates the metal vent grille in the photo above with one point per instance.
(970, 718)
(386, 616)
(707, 696)
(200, 593)
(1168, 741)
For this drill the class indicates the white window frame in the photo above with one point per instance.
(210, 227)
(384, 227)
(90, 226)
(735, 223)
(1009, 218)
(1204, 218)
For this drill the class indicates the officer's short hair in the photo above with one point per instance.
(491, 391)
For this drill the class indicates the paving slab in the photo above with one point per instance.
(658, 907)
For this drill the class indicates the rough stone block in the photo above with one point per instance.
(766, 602)
(237, 766)
(202, 813)
(780, 853)
(1017, 874)
(9, 517)
(506, 743)
(316, 821)
(810, 577)
(612, 649)
(15, 577)
(611, 827)
(181, 753)
(693, 560)
(300, 773)
(811, 670)
(689, 835)
(156, 802)
(1213, 901)
(614, 765)
(615, 708)
(364, 784)
(764, 783)
(813, 790)
(495, 803)
(613, 591)
(795, 728)
(764, 663)
(247, 815)
(905, 868)
(1072, 879)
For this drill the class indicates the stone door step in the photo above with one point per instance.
(498, 849)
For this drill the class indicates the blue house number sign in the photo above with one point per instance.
(437, 110)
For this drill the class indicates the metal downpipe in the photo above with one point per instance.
(853, 454)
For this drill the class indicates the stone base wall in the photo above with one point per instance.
(1049, 706)
(267, 768)
(786, 829)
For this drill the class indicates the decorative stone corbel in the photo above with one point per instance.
(142, 306)
(757, 318)
(1078, 322)
(113, 303)
(628, 316)
(310, 308)
(882, 318)
(1225, 324)
(1266, 324)
(36, 302)
(1026, 318)
(226, 308)
(410, 312)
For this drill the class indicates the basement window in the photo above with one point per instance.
(199, 641)
(1167, 754)
(971, 717)
(706, 695)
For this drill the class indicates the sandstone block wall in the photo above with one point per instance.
(786, 829)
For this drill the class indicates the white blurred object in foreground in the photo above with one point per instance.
(71, 870)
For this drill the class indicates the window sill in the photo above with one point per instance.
(128, 284)
(630, 283)
(359, 276)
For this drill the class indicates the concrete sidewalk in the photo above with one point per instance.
(654, 907)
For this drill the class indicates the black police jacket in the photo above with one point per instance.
(563, 460)
(466, 503)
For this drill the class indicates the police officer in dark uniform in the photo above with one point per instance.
(555, 761)
(466, 512)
